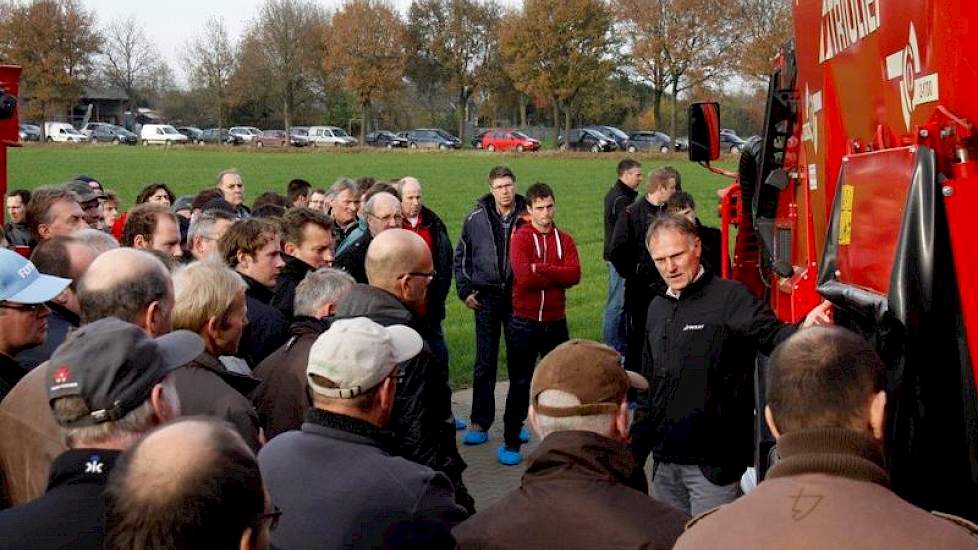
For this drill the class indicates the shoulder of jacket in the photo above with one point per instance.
(694, 521)
(968, 526)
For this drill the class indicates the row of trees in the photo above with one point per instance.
(446, 62)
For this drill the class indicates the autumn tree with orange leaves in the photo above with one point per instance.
(364, 46)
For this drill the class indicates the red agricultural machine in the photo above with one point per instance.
(863, 190)
(9, 80)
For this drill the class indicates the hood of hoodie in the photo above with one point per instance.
(378, 305)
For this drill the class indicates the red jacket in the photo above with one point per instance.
(544, 264)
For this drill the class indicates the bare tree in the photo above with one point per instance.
(211, 59)
(364, 44)
(287, 45)
(453, 40)
(128, 59)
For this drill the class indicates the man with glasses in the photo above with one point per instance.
(484, 280)
(23, 315)
(206, 231)
(383, 212)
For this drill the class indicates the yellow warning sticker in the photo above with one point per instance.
(845, 215)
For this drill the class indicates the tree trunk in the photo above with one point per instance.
(286, 114)
(556, 130)
(567, 122)
(657, 108)
(463, 101)
(522, 98)
(364, 113)
(675, 106)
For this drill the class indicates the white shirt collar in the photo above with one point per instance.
(675, 293)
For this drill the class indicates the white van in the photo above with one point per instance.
(162, 134)
(330, 136)
(248, 134)
(62, 132)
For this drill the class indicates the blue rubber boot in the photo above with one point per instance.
(508, 457)
(475, 437)
(524, 435)
(459, 424)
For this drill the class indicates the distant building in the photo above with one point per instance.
(107, 105)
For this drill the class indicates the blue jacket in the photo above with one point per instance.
(480, 262)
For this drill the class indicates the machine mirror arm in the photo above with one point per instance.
(720, 171)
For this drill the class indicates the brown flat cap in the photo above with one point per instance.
(588, 370)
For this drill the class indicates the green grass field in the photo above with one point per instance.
(452, 182)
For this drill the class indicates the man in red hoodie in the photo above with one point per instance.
(545, 264)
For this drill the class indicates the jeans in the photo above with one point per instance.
(490, 321)
(614, 312)
(436, 339)
(684, 486)
(529, 341)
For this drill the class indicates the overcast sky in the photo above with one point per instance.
(171, 23)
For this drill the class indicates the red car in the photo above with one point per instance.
(508, 140)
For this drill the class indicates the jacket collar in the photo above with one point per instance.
(243, 383)
(63, 313)
(295, 266)
(377, 304)
(82, 466)
(304, 326)
(626, 190)
(257, 290)
(581, 454)
(832, 451)
(347, 428)
(692, 289)
(488, 203)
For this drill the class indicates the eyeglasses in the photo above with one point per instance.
(429, 275)
(274, 515)
(32, 308)
(395, 218)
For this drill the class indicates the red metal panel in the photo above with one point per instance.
(960, 198)
(874, 196)
(9, 83)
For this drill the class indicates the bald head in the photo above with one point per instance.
(411, 198)
(159, 495)
(383, 212)
(394, 253)
(125, 283)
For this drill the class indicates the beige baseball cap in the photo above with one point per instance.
(588, 370)
(356, 354)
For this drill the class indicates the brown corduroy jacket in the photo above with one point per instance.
(830, 490)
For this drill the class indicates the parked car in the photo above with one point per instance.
(90, 128)
(110, 133)
(477, 138)
(246, 133)
(62, 132)
(218, 136)
(432, 138)
(29, 132)
(621, 138)
(730, 141)
(509, 140)
(192, 132)
(330, 136)
(648, 141)
(587, 139)
(384, 138)
(299, 136)
(272, 138)
(162, 134)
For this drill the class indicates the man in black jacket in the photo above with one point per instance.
(252, 247)
(621, 195)
(400, 268)
(682, 204)
(699, 348)
(308, 247)
(18, 234)
(631, 260)
(484, 280)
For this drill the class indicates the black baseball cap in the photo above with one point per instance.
(113, 365)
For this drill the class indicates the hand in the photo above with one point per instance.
(471, 302)
(821, 315)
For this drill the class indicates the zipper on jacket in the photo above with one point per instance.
(543, 292)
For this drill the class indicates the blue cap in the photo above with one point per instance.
(21, 282)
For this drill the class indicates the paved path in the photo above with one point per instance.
(487, 479)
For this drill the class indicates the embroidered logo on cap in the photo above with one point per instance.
(94, 465)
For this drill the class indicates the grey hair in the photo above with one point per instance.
(321, 287)
(96, 239)
(368, 207)
(343, 184)
(204, 222)
(597, 423)
(228, 172)
(127, 429)
(404, 181)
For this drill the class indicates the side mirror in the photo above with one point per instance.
(704, 132)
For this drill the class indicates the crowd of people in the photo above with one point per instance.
(195, 373)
